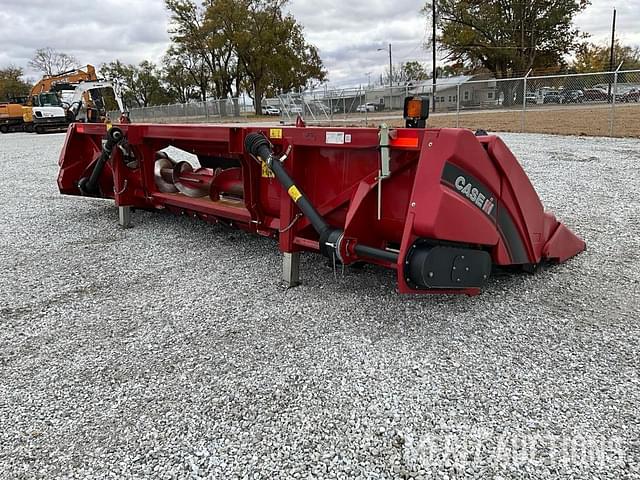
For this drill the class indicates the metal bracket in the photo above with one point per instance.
(385, 157)
(385, 161)
(285, 155)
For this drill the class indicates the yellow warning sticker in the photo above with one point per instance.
(294, 193)
(275, 132)
(266, 171)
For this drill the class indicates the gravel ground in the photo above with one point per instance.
(170, 350)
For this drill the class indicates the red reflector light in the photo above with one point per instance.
(407, 142)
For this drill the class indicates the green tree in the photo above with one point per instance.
(11, 83)
(452, 70)
(206, 51)
(139, 85)
(269, 46)
(413, 71)
(405, 73)
(178, 78)
(595, 58)
(508, 37)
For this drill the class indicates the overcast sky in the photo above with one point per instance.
(347, 33)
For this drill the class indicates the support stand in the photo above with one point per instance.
(291, 269)
(124, 217)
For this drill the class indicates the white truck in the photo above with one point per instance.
(84, 103)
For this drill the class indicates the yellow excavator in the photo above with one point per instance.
(11, 119)
(58, 100)
(44, 110)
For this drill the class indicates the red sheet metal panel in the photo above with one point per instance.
(445, 185)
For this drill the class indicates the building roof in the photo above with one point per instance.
(444, 81)
(447, 83)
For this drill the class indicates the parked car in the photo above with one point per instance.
(572, 96)
(366, 107)
(632, 95)
(595, 94)
(295, 109)
(552, 97)
(531, 98)
(270, 110)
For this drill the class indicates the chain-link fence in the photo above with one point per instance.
(605, 103)
(213, 110)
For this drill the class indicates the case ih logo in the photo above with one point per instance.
(467, 189)
(471, 188)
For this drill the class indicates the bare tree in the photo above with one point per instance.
(51, 62)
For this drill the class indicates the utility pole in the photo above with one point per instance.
(390, 76)
(613, 46)
(390, 69)
(613, 42)
(433, 48)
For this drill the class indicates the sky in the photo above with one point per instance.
(348, 34)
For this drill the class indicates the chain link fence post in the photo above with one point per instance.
(366, 108)
(524, 103)
(458, 105)
(612, 114)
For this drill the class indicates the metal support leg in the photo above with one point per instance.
(291, 269)
(124, 216)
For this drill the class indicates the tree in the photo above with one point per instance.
(138, 84)
(11, 83)
(207, 50)
(51, 62)
(195, 68)
(248, 45)
(269, 47)
(596, 58)
(405, 73)
(508, 37)
(413, 71)
(452, 70)
(179, 81)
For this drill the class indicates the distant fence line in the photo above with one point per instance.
(454, 96)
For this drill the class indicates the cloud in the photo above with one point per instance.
(93, 32)
(597, 18)
(347, 34)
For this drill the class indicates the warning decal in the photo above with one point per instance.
(275, 132)
(294, 193)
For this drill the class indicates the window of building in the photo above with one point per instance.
(490, 95)
(442, 99)
(466, 95)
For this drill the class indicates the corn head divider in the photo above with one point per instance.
(442, 207)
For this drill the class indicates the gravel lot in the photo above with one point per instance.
(170, 350)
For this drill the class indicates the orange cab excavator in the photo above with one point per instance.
(43, 108)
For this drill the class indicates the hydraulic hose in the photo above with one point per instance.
(89, 186)
(258, 146)
(330, 237)
(376, 253)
